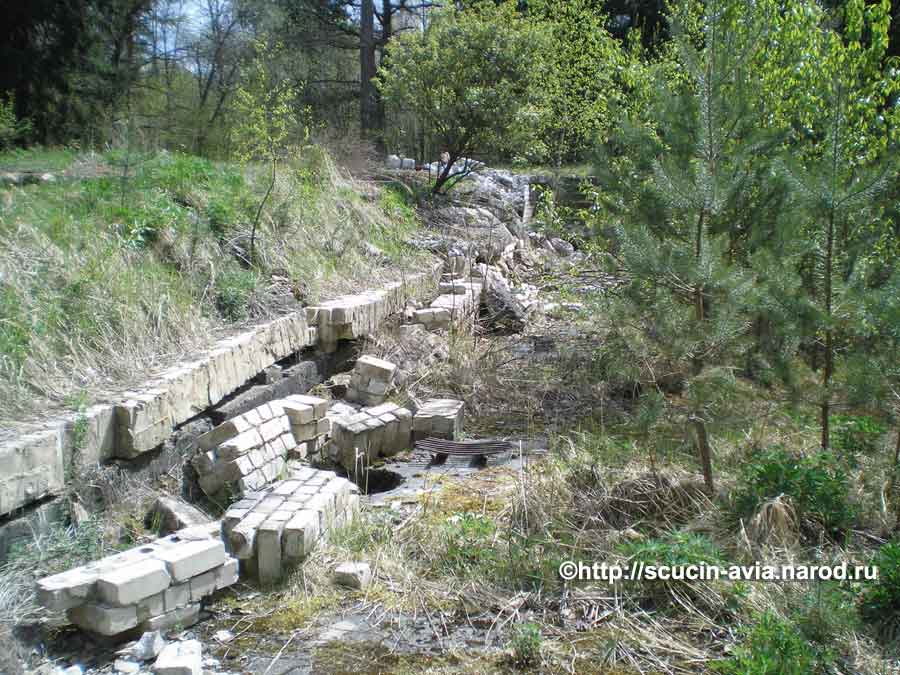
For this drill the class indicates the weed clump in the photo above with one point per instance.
(818, 487)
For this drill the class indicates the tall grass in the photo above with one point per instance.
(106, 277)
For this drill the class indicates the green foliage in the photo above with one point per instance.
(676, 549)
(880, 600)
(470, 545)
(818, 487)
(772, 646)
(525, 643)
(473, 78)
(583, 79)
(234, 289)
(12, 129)
(856, 435)
(825, 614)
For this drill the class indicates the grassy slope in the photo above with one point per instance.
(129, 260)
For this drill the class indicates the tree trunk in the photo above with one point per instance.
(368, 105)
(828, 370)
(705, 453)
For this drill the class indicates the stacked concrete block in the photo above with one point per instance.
(273, 529)
(380, 431)
(309, 423)
(439, 418)
(246, 452)
(458, 301)
(150, 587)
(371, 380)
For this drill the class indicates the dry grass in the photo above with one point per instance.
(98, 288)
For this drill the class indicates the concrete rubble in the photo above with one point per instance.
(150, 587)
(461, 293)
(359, 439)
(36, 459)
(180, 658)
(439, 418)
(356, 575)
(251, 450)
(273, 529)
(371, 380)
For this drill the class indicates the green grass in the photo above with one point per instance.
(102, 275)
(37, 159)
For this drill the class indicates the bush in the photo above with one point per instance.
(817, 485)
(880, 601)
(855, 435)
(12, 129)
(525, 642)
(771, 647)
(678, 550)
(234, 288)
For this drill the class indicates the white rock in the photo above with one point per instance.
(180, 658)
(148, 647)
(394, 162)
(126, 667)
(353, 574)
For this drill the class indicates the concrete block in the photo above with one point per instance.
(203, 585)
(176, 596)
(319, 405)
(128, 584)
(190, 558)
(183, 617)
(151, 606)
(224, 432)
(268, 551)
(227, 574)
(298, 413)
(300, 534)
(103, 619)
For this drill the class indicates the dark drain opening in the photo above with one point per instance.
(373, 481)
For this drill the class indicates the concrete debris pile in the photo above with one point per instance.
(439, 418)
(352, 316)
(251, 450)
(461, 294)
(273, 529)
(380, 431)
(151, 587)
(309, 423)
(371, 380)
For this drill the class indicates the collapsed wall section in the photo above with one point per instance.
(38, 462)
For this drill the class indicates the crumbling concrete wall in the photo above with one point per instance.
(150, 587)
(37, 460)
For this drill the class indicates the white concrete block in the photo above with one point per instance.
(104, 619)
(190, 558)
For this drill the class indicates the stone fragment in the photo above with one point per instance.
(355, 575)
(173, 514)
(147, 647)
(180, 658)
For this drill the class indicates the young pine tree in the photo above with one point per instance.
(686, 311)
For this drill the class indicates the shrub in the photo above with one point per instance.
(676, 551)
(825, 613)
(470, 545)
(854, 435)
(234, 288)
(525, 642)
(817, 485)
(880, 601)
(11, 128)
(772, 646)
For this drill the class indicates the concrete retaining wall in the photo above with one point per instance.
(38, 464)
